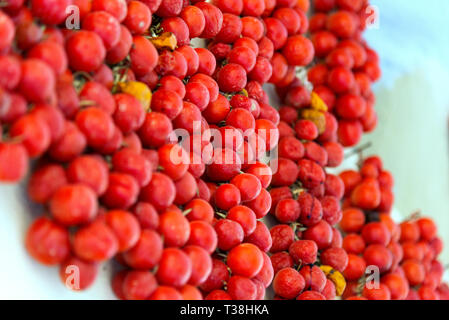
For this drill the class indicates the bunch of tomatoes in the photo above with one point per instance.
(345, 65)
(169, 158)
(405, 255)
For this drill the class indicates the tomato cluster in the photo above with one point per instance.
(405, 255)
(167, 157)
(345, 66)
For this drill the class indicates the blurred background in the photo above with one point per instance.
(413, 106)
(412, 138)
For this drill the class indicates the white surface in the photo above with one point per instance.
(412, 139)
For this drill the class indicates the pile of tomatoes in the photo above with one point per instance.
(169, 157)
